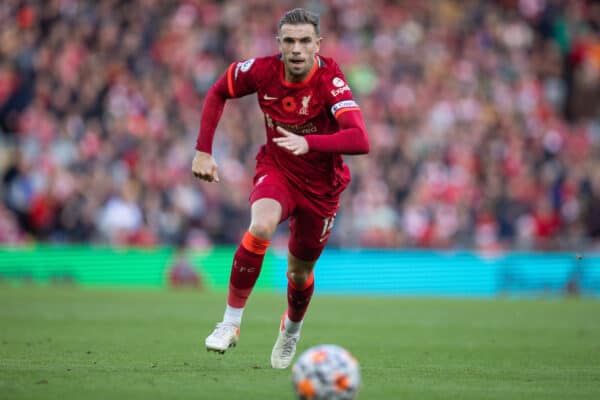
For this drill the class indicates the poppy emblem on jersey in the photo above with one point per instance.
(289, 103)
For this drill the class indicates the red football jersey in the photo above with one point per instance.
(306, 108)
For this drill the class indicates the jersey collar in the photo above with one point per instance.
(318, 63)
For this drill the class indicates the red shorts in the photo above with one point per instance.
(310, 218)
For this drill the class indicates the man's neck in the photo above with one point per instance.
(289, 77)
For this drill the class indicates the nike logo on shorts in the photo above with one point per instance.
(259, 180)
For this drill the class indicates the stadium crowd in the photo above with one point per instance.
(484, 118)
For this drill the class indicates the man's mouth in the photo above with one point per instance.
(296, 61)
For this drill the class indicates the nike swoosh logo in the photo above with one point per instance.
(269, 97)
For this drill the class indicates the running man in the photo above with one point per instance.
(311, 119)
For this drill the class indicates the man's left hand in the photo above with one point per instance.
(295, 144)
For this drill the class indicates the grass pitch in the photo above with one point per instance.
(70, 343)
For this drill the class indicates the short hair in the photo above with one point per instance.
(299, 16)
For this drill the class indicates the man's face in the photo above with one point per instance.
(298, 45)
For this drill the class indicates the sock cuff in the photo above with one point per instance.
(233, 315)
(310, 281)
(289, 325)
(255, 244)
(237, 297)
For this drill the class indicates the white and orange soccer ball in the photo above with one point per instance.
(326, 372)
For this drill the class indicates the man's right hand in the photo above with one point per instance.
(204, 167)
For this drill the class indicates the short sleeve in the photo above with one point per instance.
(241, 78)
(338, 94)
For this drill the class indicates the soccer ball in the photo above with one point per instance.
(326, 372)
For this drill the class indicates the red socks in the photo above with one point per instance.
(245, 270)
(247, 263)
(299, 298)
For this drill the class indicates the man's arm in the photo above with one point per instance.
(214, 103)
(352, 138)
(204, 166)
(237, 81)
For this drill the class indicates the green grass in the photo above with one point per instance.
(69, 343)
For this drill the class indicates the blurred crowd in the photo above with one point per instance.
(484, 119)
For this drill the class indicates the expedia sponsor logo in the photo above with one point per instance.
(337, 92)
(343, 104)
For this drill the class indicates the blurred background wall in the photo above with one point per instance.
(340, 271)
(484, 118)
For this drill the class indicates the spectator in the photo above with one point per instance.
(484, 117)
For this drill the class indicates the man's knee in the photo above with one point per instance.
(299, 278)
(299, 271)
(263, 228)
(266, 214)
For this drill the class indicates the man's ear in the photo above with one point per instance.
(318, 42)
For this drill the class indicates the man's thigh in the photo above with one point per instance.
(271, 184)
(310, 227)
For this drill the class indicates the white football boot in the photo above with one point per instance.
(284, 348)
(222, 338)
